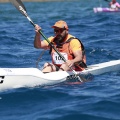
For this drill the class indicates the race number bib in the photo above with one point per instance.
(57, 59)
(113, 6)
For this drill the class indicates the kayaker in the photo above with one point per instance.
(66, 44)
(114, 5)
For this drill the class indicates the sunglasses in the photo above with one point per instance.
(58, 30)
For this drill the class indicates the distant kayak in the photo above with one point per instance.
(100, 9)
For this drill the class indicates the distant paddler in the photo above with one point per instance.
(114, 5)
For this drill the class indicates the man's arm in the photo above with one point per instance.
(38, 43)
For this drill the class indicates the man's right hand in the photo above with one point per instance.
(37, 28)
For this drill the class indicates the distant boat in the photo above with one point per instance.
(100, 9)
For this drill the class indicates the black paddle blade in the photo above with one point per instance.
(19, 6)
(85, 77)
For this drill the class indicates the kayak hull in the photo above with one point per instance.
(30, 77)
(100, 9)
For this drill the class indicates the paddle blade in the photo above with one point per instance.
(86, 77)
(19, 6)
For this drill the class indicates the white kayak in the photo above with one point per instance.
(100, 9)
(29, 77)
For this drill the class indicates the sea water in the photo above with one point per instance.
(98, 99)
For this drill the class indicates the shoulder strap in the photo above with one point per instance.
(71, 38)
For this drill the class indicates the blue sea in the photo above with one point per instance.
(98, 99)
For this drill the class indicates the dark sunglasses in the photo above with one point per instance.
(58, 30)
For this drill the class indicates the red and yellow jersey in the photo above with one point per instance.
(75, 44)
(66, 50)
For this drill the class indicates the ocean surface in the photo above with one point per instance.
(98, 99)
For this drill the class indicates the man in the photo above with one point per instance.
(67, 45)
(114, 5)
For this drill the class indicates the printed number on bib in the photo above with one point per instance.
(58, 60)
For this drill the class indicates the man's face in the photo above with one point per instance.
(60, 34)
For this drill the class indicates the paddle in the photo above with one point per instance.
(21, 8)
